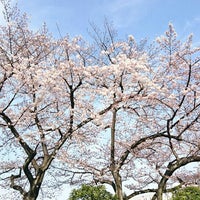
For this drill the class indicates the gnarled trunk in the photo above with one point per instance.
(29, 197)
(33, 192)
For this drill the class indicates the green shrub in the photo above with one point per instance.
(187, 193)
(89, 192)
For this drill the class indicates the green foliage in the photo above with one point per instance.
(188, 193)
(89, 192)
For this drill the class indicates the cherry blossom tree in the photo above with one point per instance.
(44, 101)
(144, 139)
(115, 112)
(180, 63)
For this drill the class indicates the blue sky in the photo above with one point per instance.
(141, 18)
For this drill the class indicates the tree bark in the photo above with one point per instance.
(118, 184)
(171, 168)
(114, 167)
(28, 197)
(33, 192)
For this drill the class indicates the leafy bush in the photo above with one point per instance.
(188, 193)
(89, 192)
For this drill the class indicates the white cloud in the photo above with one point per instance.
(127, 12)
(192, 23)
(119, 5)
(192, 26)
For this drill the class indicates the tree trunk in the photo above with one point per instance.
(118, 183)
(33, 192)
(114, 168)
(29, 197)
(160, 194)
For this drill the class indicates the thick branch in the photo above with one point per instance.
(16, 187)
(171, 168)
(112, 151)
(26, 167)
(153, 190)
(24, 145)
